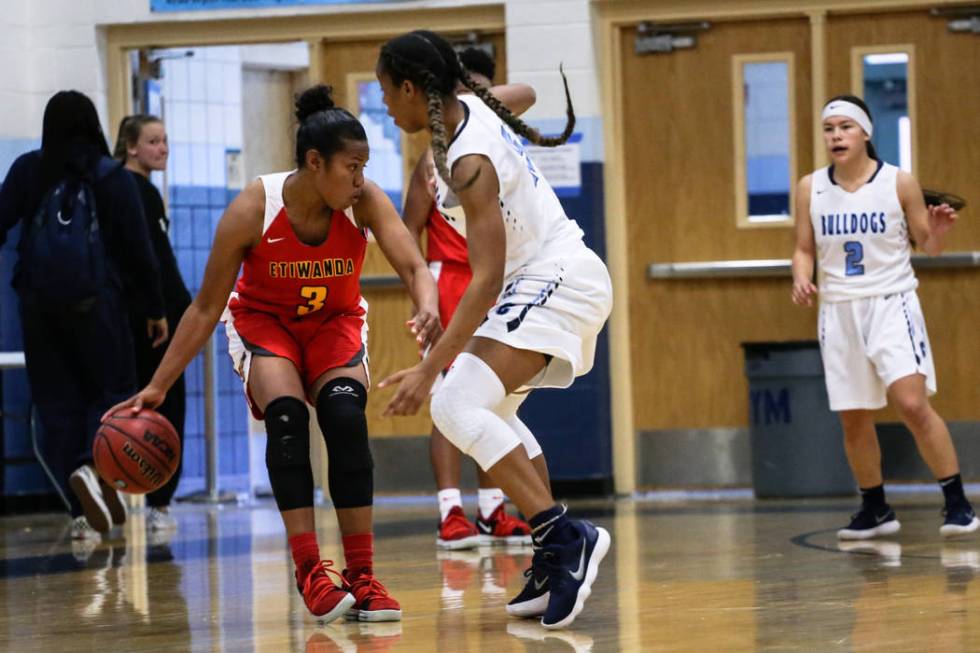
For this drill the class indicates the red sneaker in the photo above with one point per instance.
(323, 598)
(506, 566)
(372, 601)
(458, 532)
(504, 528)
(458, 568)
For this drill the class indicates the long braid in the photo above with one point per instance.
(437, 124)
(515, 123)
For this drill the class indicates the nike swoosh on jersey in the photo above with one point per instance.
(579, 573)
(273, 241)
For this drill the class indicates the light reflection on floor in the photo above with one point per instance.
(695, 575)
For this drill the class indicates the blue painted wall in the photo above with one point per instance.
(573, 425)
(16, 399)
(194, 214)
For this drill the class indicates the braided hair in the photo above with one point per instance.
(429, 61)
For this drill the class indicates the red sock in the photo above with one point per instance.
(306, 552)
(359, 552)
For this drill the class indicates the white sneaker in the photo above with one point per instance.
(552, 640)
(85, 484)
(959, 559)
(158, 520)
(889, 553)
(81, 530)
(114, 502)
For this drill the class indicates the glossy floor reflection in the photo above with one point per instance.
(695, 576)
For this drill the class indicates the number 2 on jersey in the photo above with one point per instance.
(853, 267)
(315, 296)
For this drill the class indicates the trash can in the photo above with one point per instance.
(797, 443)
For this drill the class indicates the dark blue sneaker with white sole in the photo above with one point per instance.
(959, 520)
(869, 522)
(533, 599)
(572, 568)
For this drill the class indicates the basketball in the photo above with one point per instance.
(136, 453)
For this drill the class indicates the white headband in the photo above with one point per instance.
(849, 110)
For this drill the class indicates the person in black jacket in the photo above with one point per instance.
(142, 146)
(80, 361)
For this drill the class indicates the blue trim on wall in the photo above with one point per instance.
(11, 148)
(588, 128)
(194, 215)
(574, 425)
(25, 478)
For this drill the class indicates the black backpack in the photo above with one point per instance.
(62, 256)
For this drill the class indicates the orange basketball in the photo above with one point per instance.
(136, 452)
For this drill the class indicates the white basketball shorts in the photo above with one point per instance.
(867, 344)
(557, 307)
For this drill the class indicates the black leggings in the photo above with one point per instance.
(78, 366)
(173, 407)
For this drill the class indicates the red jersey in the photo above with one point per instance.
(286, 277)
(444, 242)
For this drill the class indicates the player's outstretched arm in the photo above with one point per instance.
(238, 231)
(375, 211)
(804, 253)
(516, 97)
(484, 226)
(927, 225)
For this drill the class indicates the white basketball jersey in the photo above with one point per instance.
(535, 222)
(863, 247)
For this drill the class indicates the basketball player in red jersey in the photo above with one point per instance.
(297, 330)
(449, 264)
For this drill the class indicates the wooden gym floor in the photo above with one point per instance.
(721, 575)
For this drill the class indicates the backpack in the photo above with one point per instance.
(62, 255)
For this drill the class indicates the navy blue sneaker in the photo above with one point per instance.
(572, 568)
(960, 520)
(533, 599)
(870, 521)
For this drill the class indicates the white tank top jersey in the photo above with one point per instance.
(536, 225)
(863, 247)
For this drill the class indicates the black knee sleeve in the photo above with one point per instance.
(287, 453)
(350, 468)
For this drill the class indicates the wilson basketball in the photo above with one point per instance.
(136, 453)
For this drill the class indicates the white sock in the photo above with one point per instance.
(489, 498)
(448, 499)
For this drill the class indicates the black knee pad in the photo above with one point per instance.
(287, 452)
(350, 467)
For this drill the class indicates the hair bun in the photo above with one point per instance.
(314, 99)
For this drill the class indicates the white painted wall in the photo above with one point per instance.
(540, 37)
(276, 56)
(50, 45)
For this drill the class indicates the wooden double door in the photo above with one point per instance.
(678, 120)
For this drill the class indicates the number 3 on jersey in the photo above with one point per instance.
(315, 297)
(853, 267)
